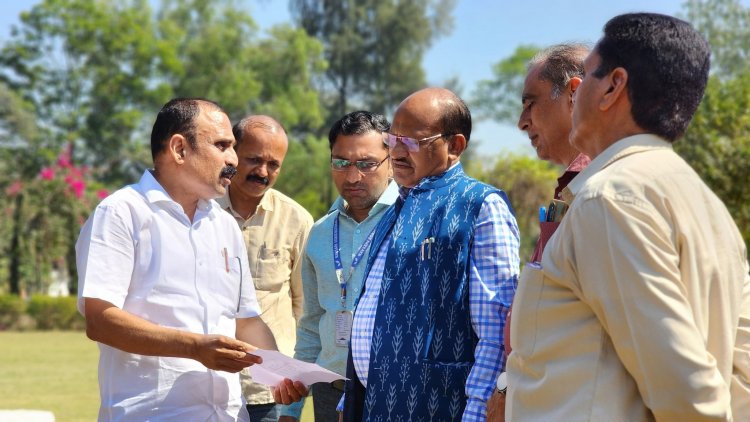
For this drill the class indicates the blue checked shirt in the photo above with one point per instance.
(492, 283)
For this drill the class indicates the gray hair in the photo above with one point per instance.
(560, 63)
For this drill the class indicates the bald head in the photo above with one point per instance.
(438, 109)
(268, 124)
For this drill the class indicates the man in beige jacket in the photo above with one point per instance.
(275, 230)
(640, 307)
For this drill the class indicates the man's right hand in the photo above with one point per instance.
(223, 353)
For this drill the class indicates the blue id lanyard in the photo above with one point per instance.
(355, 260)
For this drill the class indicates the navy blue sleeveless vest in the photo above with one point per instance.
(422, 343)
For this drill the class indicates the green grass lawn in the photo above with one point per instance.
(55, 371)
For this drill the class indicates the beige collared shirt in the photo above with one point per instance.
(640, 309)
(275, 237)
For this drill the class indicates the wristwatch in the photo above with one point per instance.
(501, 386)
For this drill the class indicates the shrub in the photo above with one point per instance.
(55, 313)
(12, 308)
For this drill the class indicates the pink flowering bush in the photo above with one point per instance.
(43, 216)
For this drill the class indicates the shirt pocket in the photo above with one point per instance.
(272, 269)
(523, 324)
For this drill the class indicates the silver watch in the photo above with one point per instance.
(501, 386)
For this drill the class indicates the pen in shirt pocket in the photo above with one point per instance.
(226, 259)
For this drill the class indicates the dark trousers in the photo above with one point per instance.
(325, 399)
(263, 412)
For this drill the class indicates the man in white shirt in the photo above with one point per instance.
(164, 282)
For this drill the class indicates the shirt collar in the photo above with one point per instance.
(387, 198)
(266, 203)
(618, 150)
(155, 193)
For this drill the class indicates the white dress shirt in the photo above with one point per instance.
(140, 252)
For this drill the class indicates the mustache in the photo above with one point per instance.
(228, 172)
(254, 178)
(353, 186)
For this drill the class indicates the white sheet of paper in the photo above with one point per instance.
(277, 366)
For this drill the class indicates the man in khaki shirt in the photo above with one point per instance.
(640, 308)
(275, 230)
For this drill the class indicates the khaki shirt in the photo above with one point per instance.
(275, 237)
(640, 309)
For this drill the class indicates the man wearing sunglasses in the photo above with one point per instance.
(333, 261)
(427, 338)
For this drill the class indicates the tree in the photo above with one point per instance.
(726, 26)
(84, 65)
(374, 48)
(97, 72)
(528, 183)
(717, 143)
(91, 75)
(500, 98)
(306, 175)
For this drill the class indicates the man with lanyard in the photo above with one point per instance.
(332, 264)
(427, 332)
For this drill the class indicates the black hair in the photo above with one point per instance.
(357, 123)
(178, 117)
(667, 62)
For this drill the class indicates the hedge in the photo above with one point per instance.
(40, 312)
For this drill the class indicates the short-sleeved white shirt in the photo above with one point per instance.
(140, 252)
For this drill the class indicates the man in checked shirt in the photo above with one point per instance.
(427, 334)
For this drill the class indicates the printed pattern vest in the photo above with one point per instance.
(423, 344)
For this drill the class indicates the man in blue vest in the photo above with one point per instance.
(427, 334)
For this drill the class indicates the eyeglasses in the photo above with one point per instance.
(339, 164)
(411, 144)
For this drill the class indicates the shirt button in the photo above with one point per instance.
(358, 231)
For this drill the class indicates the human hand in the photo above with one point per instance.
(223, 353)
(496, 407)
(287, 419)
(288, 391)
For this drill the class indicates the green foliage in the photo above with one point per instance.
(726, 26)
(82, 63)
(91, 74)
(306, 175)
(529, 183)
(12, 307)
(96, 72)
(46, 212)
(374, 48)
(717, 143)
(55, 313)
(500, 98)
